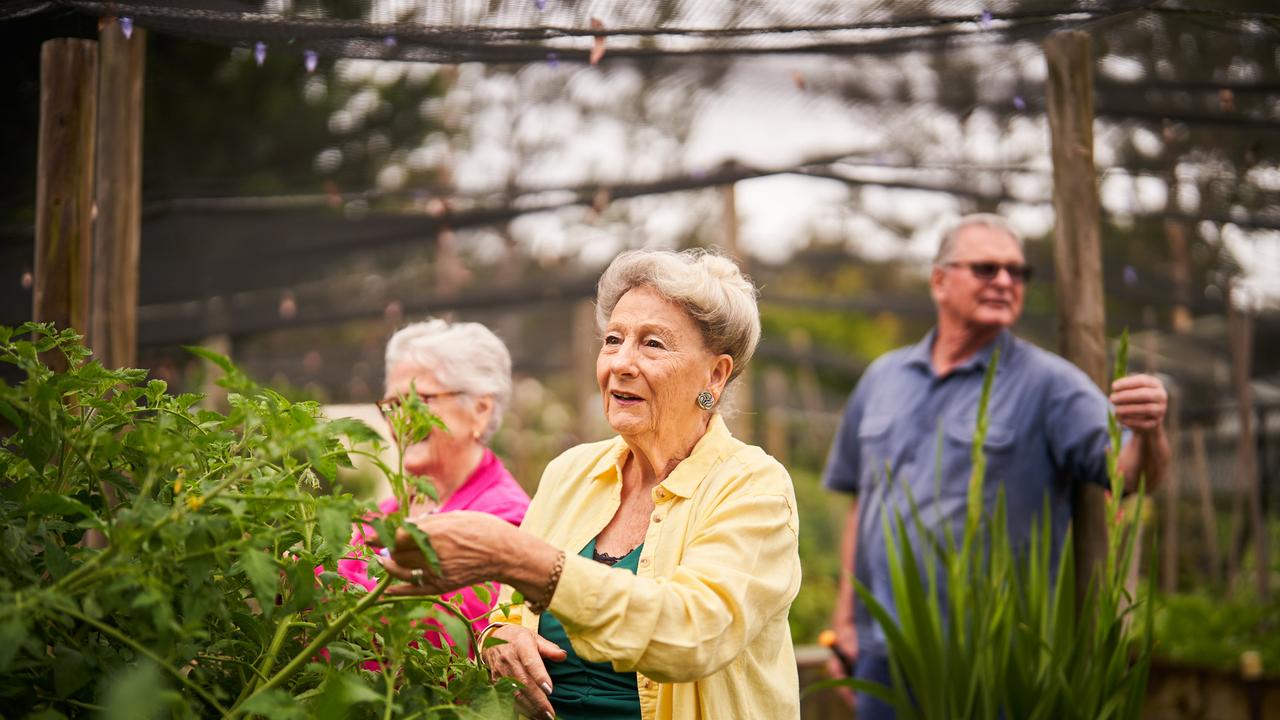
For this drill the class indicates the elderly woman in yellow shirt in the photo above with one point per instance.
(657, 568)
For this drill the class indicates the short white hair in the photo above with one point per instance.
(710, 287)
(465, 357)
(947, 246)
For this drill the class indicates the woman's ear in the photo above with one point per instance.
(720, 373)
(483, 412)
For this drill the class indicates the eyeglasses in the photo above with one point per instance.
(987, 271)
(392, 405)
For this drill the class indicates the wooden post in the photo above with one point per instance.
(585, 348)
(1240, 329)
(113, 314)
(1078, 256)
(777, 435)
(1180, 260)
(1172, 497)
(1208, 514)
(743, 420)
(64, 183)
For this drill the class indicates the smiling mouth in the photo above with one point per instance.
(625, 397)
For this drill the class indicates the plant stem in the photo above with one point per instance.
(142, 650)
(263, 671)
(303, 657)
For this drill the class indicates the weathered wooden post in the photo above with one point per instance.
(586, 346)
(743, 421)
(113, 315)
(64, 183)
(1208, 515)
(1077, 255)
(1249, 484)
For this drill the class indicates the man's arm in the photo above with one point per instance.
(1140, 402)
(842, 616)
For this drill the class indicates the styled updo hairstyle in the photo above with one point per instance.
(720, 299)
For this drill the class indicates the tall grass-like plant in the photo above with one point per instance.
(217, 592)
(1007, 638)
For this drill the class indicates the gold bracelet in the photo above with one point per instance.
(537, 608)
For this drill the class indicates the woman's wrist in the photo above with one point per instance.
(533, 569)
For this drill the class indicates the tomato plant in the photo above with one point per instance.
(214, 590)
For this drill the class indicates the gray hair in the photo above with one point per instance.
(946, 248)
(709, 286)
(466, 357)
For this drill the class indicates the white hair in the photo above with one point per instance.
(710, 287)
(466, 357)
(947, 246)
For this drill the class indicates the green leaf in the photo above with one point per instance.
(335, 525)
(136, 694)
(218, 359)
(13, 633)
(357, 431)
(55, 558)
(263, 574)
(50, 504)
(70, 671)
(275, 704)
(424, 544)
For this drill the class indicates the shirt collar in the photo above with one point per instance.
(481, 479)
(920, 355)
(714, 444)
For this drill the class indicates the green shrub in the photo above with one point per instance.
(216, 592)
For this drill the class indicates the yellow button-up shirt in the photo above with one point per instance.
(703, 622)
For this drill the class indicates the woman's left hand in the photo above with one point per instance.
(471, 547)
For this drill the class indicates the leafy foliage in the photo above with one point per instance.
(1206, 630)
(1009, 637)
(216, 589)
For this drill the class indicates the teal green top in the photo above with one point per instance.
(584, 690)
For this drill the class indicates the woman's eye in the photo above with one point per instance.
(653, 343)
(612, 340)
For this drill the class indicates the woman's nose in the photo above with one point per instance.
(623, 362)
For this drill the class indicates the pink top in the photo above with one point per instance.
(490, 489)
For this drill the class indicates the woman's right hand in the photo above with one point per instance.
(520, 657)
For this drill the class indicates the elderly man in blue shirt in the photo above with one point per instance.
(914, 412)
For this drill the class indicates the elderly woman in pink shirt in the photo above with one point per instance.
(462, 371)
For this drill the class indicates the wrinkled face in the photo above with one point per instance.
(653, 362)
(970, 301)
(462, 415)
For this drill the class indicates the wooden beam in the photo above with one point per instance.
(1077, 254)
(64, 182)
(113, 314)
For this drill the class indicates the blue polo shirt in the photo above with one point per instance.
(1048, 424)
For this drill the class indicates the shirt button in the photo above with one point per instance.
(660, 494)
(644, 562)
(657, 518)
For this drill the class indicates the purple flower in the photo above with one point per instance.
(389, 41)
(1130, 275)
(309, 59)
(540, 4)
(1019, 103)
(553, 59)
(260, 52)
(985, 21)
(126, 27)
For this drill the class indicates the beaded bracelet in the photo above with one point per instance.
(538, 608)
